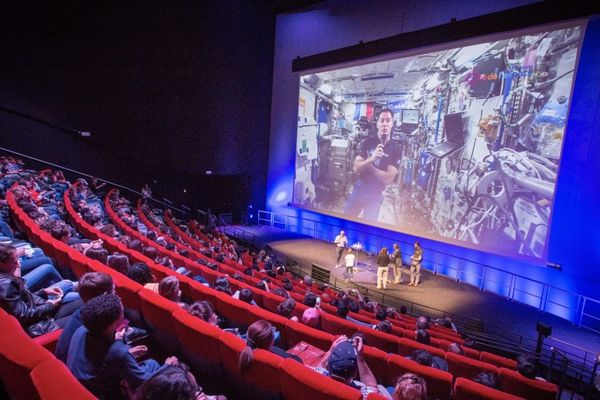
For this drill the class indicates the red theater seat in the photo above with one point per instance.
(127, 289)
(262, 380)
(53, 381)
(157, 313)
(465, 389)
(498, 361)
(236, 311)
(337, 326)
(18, 356)
(301, 383)
(200, 343)
(406, 347)
(515, 383)
(49, 340)
(466, 367)
(297, 332)
(383, 341)
(469, 352)
(377, 360)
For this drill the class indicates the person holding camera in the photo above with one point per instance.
(345, 363)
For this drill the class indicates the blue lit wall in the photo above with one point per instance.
(575, 236)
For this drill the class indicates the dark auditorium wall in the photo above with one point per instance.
(166, 88)
(337, 24)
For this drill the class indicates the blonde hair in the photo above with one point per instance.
(410, 387)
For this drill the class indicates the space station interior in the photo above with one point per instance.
(480, 130)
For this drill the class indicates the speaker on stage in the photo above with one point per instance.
(319, 273)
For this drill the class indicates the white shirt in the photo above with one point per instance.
(341, 241)
(350, 260)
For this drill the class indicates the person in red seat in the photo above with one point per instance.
(205, 311)
(169, 289)
(286, 309)
(174, 382)
(344, 362)
(410, 387)
(312, 317)
(141, 273)
(32, 309)
(99, 361)
(91, 284)
(488, 379)
(526, 367)
(425, 358)
(260, 335)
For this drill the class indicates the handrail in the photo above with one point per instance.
(73, 171)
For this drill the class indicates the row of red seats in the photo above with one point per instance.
(158, 311)
(458, 365)
(299, 288)
(331, 323)
(441, 336)
(30, 371)
(178, 331)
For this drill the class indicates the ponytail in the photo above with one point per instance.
(246, 358)
(259, 336)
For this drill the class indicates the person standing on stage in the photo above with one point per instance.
(350, 262)
(341, 241)
(383, 261)
(376, 164)
(397, 260)
(415, 265)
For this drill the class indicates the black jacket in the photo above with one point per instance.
(16, 300)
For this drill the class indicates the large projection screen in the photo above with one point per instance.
(460, 143)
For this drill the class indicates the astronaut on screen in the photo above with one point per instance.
(376, 164)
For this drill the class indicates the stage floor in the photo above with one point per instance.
(435, 291)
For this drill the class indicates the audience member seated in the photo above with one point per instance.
(380, 314)
(97, 253)
(526, 367)
(344, 362)
(342, 312)
(455, 348)
(119, 262)
(410, 387)
(99, 361)
(34, 311)
(384, 326)
(446, 323)
(422, 336)
(422, 323)
(39, 273)
(141, 273)
(310, 299)
(245, 295)
(91, 284)
(174, 382)
(222, 285)
(488, 379)
(261, 335)
(312, 317)
(169, 289)
(205, 311)
(425, 358)
(286, 309)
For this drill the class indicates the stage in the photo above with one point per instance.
(435, 291)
